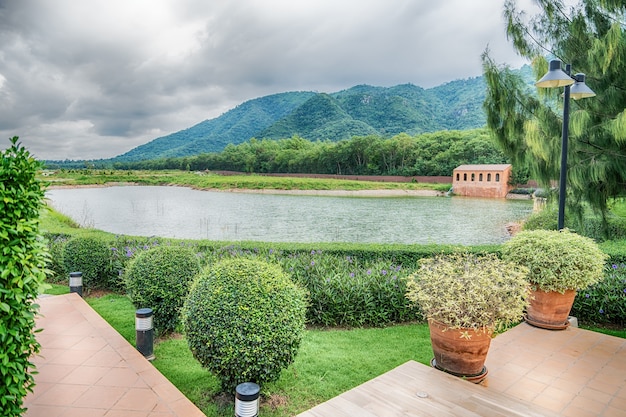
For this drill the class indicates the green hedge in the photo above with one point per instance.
(592, 226)
(23, 261)
(91, 255)
(336, 296)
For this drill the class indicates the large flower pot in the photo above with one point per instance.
(550, 310)
(460, 352)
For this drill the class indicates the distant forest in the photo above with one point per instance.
(427, 154)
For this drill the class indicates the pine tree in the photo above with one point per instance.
(527, 122)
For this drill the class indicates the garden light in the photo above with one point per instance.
(76, 283)
(247, 400)
(556, 77)
(144, 332)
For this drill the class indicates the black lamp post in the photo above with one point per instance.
(556, 77)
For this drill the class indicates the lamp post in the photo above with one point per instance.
(556, 77)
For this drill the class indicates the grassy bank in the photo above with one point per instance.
(203, 180)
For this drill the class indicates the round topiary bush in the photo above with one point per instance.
(244, 320)
(91, 256)
(557, 261)
(159, 278)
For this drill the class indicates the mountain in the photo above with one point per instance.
(235, 126)
(358, 111)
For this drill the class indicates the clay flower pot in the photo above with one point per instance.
(550, 309)
(460, 352)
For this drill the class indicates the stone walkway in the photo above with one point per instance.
(87, 369)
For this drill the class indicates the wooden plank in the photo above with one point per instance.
(413, 389)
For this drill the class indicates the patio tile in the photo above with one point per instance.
(119, 377)
(61, 395)
(554, 399)
(85, 375)
(100, 397)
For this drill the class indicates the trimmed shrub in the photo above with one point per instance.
(159, 278)
(605, 301)
(91, 256)
(558, 261)
(244, 320)
(23, 262)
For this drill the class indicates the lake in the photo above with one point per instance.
(185, 213)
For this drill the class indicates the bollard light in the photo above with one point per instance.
(144, 332)
(247, 400)
(76, 283)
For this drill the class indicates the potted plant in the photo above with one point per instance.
(559, 264)
(467, 298)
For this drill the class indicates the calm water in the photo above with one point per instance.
(185, 213)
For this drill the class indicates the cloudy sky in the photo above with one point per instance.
(89, 79)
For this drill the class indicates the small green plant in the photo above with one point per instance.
(605, 301)
(91, 256)
(468, 291)
(159, 278)
(23, 266)
(557, 261)
(244, 321)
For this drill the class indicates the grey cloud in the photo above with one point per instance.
(93, 79)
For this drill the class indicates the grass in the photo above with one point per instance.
(617, 332)
(57, 289)
(329, 362)
(220, 182)
(619, 207)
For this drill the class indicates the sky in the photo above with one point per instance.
(92, 79)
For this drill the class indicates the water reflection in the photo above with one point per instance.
(186, 213)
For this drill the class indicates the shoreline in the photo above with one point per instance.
(331, 193)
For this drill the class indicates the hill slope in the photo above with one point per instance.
(358, 111)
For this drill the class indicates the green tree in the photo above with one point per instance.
(23, 270)
(528, 123)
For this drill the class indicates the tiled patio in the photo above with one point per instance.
(532, 372)
(86, 369)
(573, 372)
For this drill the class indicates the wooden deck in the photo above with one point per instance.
(413, 389)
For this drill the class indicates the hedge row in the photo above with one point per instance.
(348, 284)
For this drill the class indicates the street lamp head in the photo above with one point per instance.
(555, 77)
(580, 89)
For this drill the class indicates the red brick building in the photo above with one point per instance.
(490, 181)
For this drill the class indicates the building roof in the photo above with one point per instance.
(483, 167)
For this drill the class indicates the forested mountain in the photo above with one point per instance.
(359, 111)
(235, 126)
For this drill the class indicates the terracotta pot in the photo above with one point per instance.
(550, 310)
(461, 352)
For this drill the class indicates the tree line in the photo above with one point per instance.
(421, 155)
